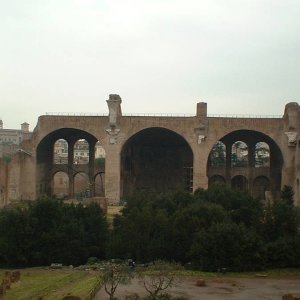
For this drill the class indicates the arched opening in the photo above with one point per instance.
(239, 154)
(81, 185)
(216, 179)
(61, 185)
(156, 159)
(217, 156)
(239, 183)
(261, 185)
(46, 158)
(250, 154)
(262, 155)
(99, 185)
(81, 152)
(60, 152)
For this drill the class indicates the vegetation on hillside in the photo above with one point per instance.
(212, 229)
(49, 231)
(208, 230)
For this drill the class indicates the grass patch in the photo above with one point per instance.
(56, 284)
(52, 284)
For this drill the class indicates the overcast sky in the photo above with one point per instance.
(160, 56)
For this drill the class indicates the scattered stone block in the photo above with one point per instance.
(15, 276)
(261, 275)
(200, 282)
(56, 266)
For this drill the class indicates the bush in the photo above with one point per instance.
(228, 245)
(50, 231)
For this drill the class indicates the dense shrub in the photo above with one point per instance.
(50, 231)
(213, 228)
(227, 245)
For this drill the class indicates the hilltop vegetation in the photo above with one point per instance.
(211, 229)
(208, 230)
(49, 231)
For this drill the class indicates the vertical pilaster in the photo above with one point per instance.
(113, 174)
(251, 165)
(200, 179)
(228, 163)
(92, 168)
(70, 167)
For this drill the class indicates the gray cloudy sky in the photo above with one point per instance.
(239, 56)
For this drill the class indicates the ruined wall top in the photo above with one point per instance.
(114, 97)
(201, 109)
(291, 114)
(114, 107)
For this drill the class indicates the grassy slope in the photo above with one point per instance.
(55, 284)
(52, 284)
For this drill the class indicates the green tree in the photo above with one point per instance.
(228, 245)
(281, 217)
(240, 206)
(287, 195)
(186, 223)
(50, 231)
(15, 242)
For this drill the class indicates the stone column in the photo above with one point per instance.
(200, 179)
(92, 167)
(113, 174)
(251, 165)
(113, 159)
(70, 167)
(228, 163)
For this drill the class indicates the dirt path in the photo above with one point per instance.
(220, 289)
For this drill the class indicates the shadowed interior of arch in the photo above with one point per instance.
(156, 159)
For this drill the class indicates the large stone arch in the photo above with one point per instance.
(156, 158)
(272, 172)
(46, 167)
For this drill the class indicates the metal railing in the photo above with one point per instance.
(181, 115)
(244, 116)
(76, 114)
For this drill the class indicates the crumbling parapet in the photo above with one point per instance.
(115, 112)
(201, 109)
(291, 118)
(201, 130)
(114, 107)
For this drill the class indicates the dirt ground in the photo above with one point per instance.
(220, 288)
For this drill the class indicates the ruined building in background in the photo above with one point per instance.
(63, 156)
(10, 139)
